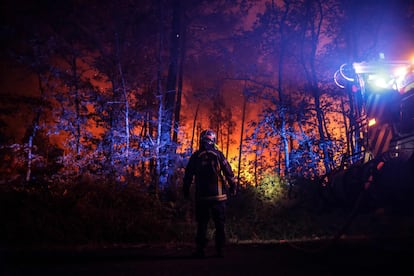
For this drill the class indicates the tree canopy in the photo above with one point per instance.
(122, 89)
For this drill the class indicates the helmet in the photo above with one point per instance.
(207, 137)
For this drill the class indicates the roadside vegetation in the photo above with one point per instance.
(90, 212)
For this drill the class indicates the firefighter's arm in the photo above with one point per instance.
(188, 177)
(228, 173)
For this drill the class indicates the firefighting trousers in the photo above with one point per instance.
(215, 209)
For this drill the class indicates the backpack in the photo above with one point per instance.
(210, 181)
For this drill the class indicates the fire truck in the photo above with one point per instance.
(380, 159)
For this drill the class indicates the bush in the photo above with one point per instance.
(86, 212)
(99, 212)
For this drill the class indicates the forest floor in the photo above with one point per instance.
(348, 256)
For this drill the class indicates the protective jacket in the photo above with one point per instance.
(213, 184)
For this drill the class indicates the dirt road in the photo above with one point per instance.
(356, 257)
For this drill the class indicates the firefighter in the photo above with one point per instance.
(214, 179)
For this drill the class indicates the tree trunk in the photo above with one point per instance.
(282, 108)
(310, 71)
(157, 179)
(126, 106)
(170, 97)
(35, 126)
(180, 85)
(194, 127)
(241, 138)
(77, 106)
(228, 138)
